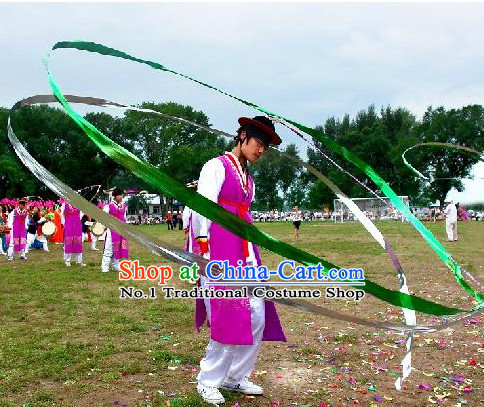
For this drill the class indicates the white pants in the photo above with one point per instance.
(451, 228)
(85, 238)
(30, 240)
(232, 363)
(108, 254)
(10, 252)
(67, 257)
(42, 239)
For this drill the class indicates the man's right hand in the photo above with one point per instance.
(203, 244)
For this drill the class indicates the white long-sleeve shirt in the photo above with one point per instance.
(450, 213)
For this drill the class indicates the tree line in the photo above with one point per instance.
(377, 137)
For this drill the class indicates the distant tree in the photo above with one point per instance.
(444, 166)
(177, 148)
(276, 177)
(377, 139)
(266, 177)
(297, 194)
(105, 169)
(60, 145)
(136, 203)
(15, 179)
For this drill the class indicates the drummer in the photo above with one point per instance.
(32, 219)
(40, 230)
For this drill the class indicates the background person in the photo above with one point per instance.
(450, 213)
(71, 219)
(296, 221)
(115, 245)
(18, 232)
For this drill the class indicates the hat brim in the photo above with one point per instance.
(274, 138)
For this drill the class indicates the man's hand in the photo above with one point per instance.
(203, 243)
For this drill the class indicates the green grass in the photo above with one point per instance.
(67, 339)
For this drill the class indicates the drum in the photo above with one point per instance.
(48, 229)
(97, 229)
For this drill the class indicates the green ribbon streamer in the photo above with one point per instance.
(232, 223)
(439, 144)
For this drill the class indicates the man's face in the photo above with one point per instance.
(254, 149)
(118, 198)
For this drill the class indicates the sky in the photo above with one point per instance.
(306, 61)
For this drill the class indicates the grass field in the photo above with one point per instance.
(66, 339)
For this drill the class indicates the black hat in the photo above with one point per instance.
(22, 201)
(116, 192)
(264, 124)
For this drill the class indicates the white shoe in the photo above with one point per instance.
(211, 395)
(95, 249)
(23, 257)
(104, 271)
(81, 264)
(10, 258)
(245, 387)
(67, 263)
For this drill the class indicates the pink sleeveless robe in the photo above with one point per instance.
(120, 243)
(72, 230)
(19, 233)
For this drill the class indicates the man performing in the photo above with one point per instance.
(115, 245)
(18, 232)
(71, 219)
(237, 325)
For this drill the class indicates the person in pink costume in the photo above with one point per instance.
(115, 245)
(18, 231)
(237, 325)
(71, 220)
